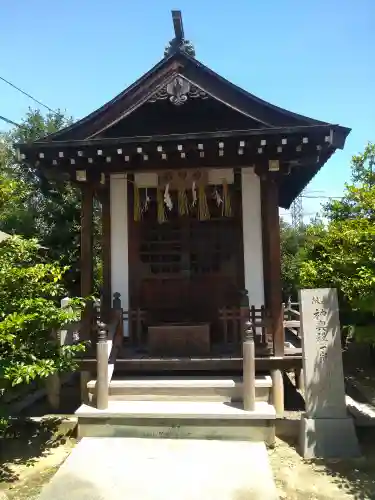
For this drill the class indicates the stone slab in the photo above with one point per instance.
(183, 382)
(188, 388)
(234, 430)
(328, 438)
(149, 469)
(363, 413)
(179, 410)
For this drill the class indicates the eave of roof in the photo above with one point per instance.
(181, 63)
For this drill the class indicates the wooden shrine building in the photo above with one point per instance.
(190, 171)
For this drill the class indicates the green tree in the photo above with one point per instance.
(34, 206)
(341, 252)
(292, 241)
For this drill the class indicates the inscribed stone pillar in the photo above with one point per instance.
(326, 428)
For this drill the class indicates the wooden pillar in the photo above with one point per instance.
(272, 260)
(106, 252)
(87, 256)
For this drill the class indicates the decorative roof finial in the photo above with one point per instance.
(179, 42)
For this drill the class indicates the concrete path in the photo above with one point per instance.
(163, 469)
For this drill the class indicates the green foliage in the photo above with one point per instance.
(36, 207)
(341, 253)
(30, 291)
(292, 241)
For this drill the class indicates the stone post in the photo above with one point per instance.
(278, 391)
(298, 377)
(249, 369)
(102, 368)
(53, 382)
(327, 431)
(244, 309)
(53, 388)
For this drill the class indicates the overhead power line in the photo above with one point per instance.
(28, 95)
(9, 121)
(323, 197)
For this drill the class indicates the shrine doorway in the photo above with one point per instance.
(186, 269)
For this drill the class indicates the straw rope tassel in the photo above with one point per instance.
(203, 210)
(160, 206)
(137, 204)
(183, 207)
(227, 206)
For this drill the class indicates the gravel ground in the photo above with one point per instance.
(299, 479)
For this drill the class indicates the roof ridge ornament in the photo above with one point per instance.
(178, 91)
(179, 43)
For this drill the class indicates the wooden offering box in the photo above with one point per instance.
(179, 339)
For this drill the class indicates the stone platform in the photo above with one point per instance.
(179, 419)
(156, 469)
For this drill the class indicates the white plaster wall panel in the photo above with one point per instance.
(119, 240)
(252, 236)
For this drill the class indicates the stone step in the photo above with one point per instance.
(178, 419)
(225, 389)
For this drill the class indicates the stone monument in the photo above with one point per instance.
(327, 431)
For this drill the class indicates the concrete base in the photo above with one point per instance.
(257, 431)
(328, 438)
(149, 469)
(177, 419)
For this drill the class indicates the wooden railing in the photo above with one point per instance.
(137, 326)
(108, 345)
(229, 331)
(232, 324)
(292, 318)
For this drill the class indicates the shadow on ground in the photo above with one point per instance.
(25, 441)
(355, 477)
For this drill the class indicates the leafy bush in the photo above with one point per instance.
(30, 293)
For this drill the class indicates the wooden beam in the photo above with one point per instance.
(272, 260)
(316, 134)
(87, 191)
(177, 24)
(106, 252)
(149, 364)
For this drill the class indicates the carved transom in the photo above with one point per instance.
(178, 91)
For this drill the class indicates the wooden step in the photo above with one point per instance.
(224, 389)
(178, 419)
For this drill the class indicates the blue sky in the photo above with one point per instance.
(313, 57)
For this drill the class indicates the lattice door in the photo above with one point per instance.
(189, 268)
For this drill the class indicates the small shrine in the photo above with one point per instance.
(190, 171)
